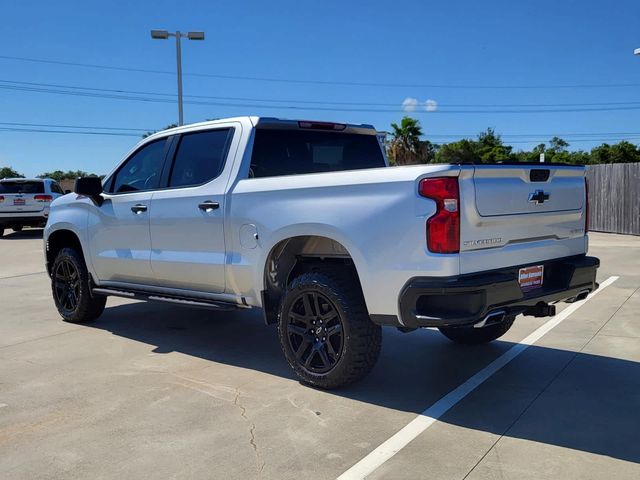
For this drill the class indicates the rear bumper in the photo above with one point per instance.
(27, 219)
(467, 299)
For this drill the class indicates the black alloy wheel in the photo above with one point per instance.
(315, 332)
(66, 280)
(325, 331)
(71, 288)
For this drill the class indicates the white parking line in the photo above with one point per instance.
(428, 417)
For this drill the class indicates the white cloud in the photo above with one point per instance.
(409, 104)
(430, 105)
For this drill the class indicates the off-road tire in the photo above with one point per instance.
(361, 339)
(477, 336)
(86, 307)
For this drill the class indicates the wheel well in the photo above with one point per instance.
(293, 256)
(57, 241)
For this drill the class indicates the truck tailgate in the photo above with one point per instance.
(520, 214)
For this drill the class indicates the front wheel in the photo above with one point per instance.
(477, 336)
(71, 289)
(325, 331)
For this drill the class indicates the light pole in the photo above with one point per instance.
(164, 35)
(636, 51)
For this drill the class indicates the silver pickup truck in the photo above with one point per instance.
(307, 221)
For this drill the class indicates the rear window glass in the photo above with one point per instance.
(291, 152)
(21, 187)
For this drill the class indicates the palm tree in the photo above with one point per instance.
(406, 147)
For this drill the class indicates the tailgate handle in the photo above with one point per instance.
(539, 174)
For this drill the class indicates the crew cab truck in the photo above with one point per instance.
(307, 221)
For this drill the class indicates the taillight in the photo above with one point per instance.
(586, 206)
(1, 198)
(43, 198)
(443, 228)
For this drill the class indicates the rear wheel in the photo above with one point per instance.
(476, 336)
(325, 331)
(71, 289)
(17, 228)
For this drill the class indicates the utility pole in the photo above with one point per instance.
(163, 35)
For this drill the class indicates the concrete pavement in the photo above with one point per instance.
(151, 390)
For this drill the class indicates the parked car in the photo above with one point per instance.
(306, 220)
(25, 202)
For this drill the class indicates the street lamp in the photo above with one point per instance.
(164, 35)
(636, 51)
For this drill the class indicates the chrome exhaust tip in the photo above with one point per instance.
(492, 317)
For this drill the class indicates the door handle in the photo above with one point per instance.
(139, 208)
(208, 206)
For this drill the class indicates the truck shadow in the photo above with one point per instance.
(30, 233)
(593, 409)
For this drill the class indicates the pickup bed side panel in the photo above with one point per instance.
(377, 215)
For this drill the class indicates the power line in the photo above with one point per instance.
(38, 130)
(17, 83)
(73, 126)
(63, 129)
(537, 135)
(565, 135)
(317, 108)
(319, 82)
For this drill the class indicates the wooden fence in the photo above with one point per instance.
(614, 198)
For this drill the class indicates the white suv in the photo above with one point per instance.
(24, 202)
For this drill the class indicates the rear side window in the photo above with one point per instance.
(290, 152)
(55, 188)
(21, 187)
(200, 157)
(142, 170)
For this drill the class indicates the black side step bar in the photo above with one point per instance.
(163, 297)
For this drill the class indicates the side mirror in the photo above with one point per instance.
(89, 187)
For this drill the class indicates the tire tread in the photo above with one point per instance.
(89, 307)
(365, 337)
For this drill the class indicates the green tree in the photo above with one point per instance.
(557, 144)
(405, 146)
(491, 149)
(488, 148)
(59, 175)
(621, 152)
(8, 172)
(462, 151)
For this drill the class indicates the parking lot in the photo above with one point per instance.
(155, 391)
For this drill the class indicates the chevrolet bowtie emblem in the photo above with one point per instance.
(538, 197)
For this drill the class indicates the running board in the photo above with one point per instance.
(163, 297)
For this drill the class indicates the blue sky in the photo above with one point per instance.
(438, 51)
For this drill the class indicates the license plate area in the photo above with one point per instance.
(18, 201)
(531, 278)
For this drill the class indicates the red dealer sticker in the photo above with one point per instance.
(531, 277)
